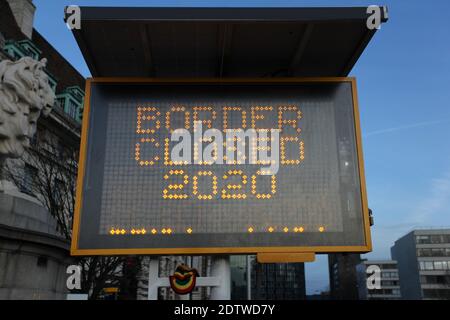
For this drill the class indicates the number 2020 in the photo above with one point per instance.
(239, 190)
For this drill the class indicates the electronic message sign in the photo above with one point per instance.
(220, 166)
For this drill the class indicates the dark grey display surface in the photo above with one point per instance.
(315, 197)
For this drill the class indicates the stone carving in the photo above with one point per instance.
(24, 94)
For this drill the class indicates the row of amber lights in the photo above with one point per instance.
(143, 231)
(168, 231)
(241, 158)
(254, 117)
(286, 229)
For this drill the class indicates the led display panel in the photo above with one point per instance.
(220, 166)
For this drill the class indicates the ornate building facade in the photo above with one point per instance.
(34, 252)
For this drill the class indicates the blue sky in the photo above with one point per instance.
(404, 97)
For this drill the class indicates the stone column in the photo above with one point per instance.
(33, 256)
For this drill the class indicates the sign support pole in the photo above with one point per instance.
(249, 277)
(220, 268)
(154, 281)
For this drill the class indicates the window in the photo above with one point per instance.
(30, 49)
(389, 283)
(72, 109)
(52, 82)
(30, 176)
(434, 265)
(436, 293)
(389, 275)
(60, 102)
(443, 280)
(422, 239)
(436, 239)
(433, 239)
(15, 50)
(433, 252)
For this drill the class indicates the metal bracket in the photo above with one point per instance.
(281, 257)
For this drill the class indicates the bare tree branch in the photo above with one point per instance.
(52, 180)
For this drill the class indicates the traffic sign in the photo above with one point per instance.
(220, 166)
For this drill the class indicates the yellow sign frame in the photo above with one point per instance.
(76, 251)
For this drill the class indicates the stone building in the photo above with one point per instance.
(33, 252)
